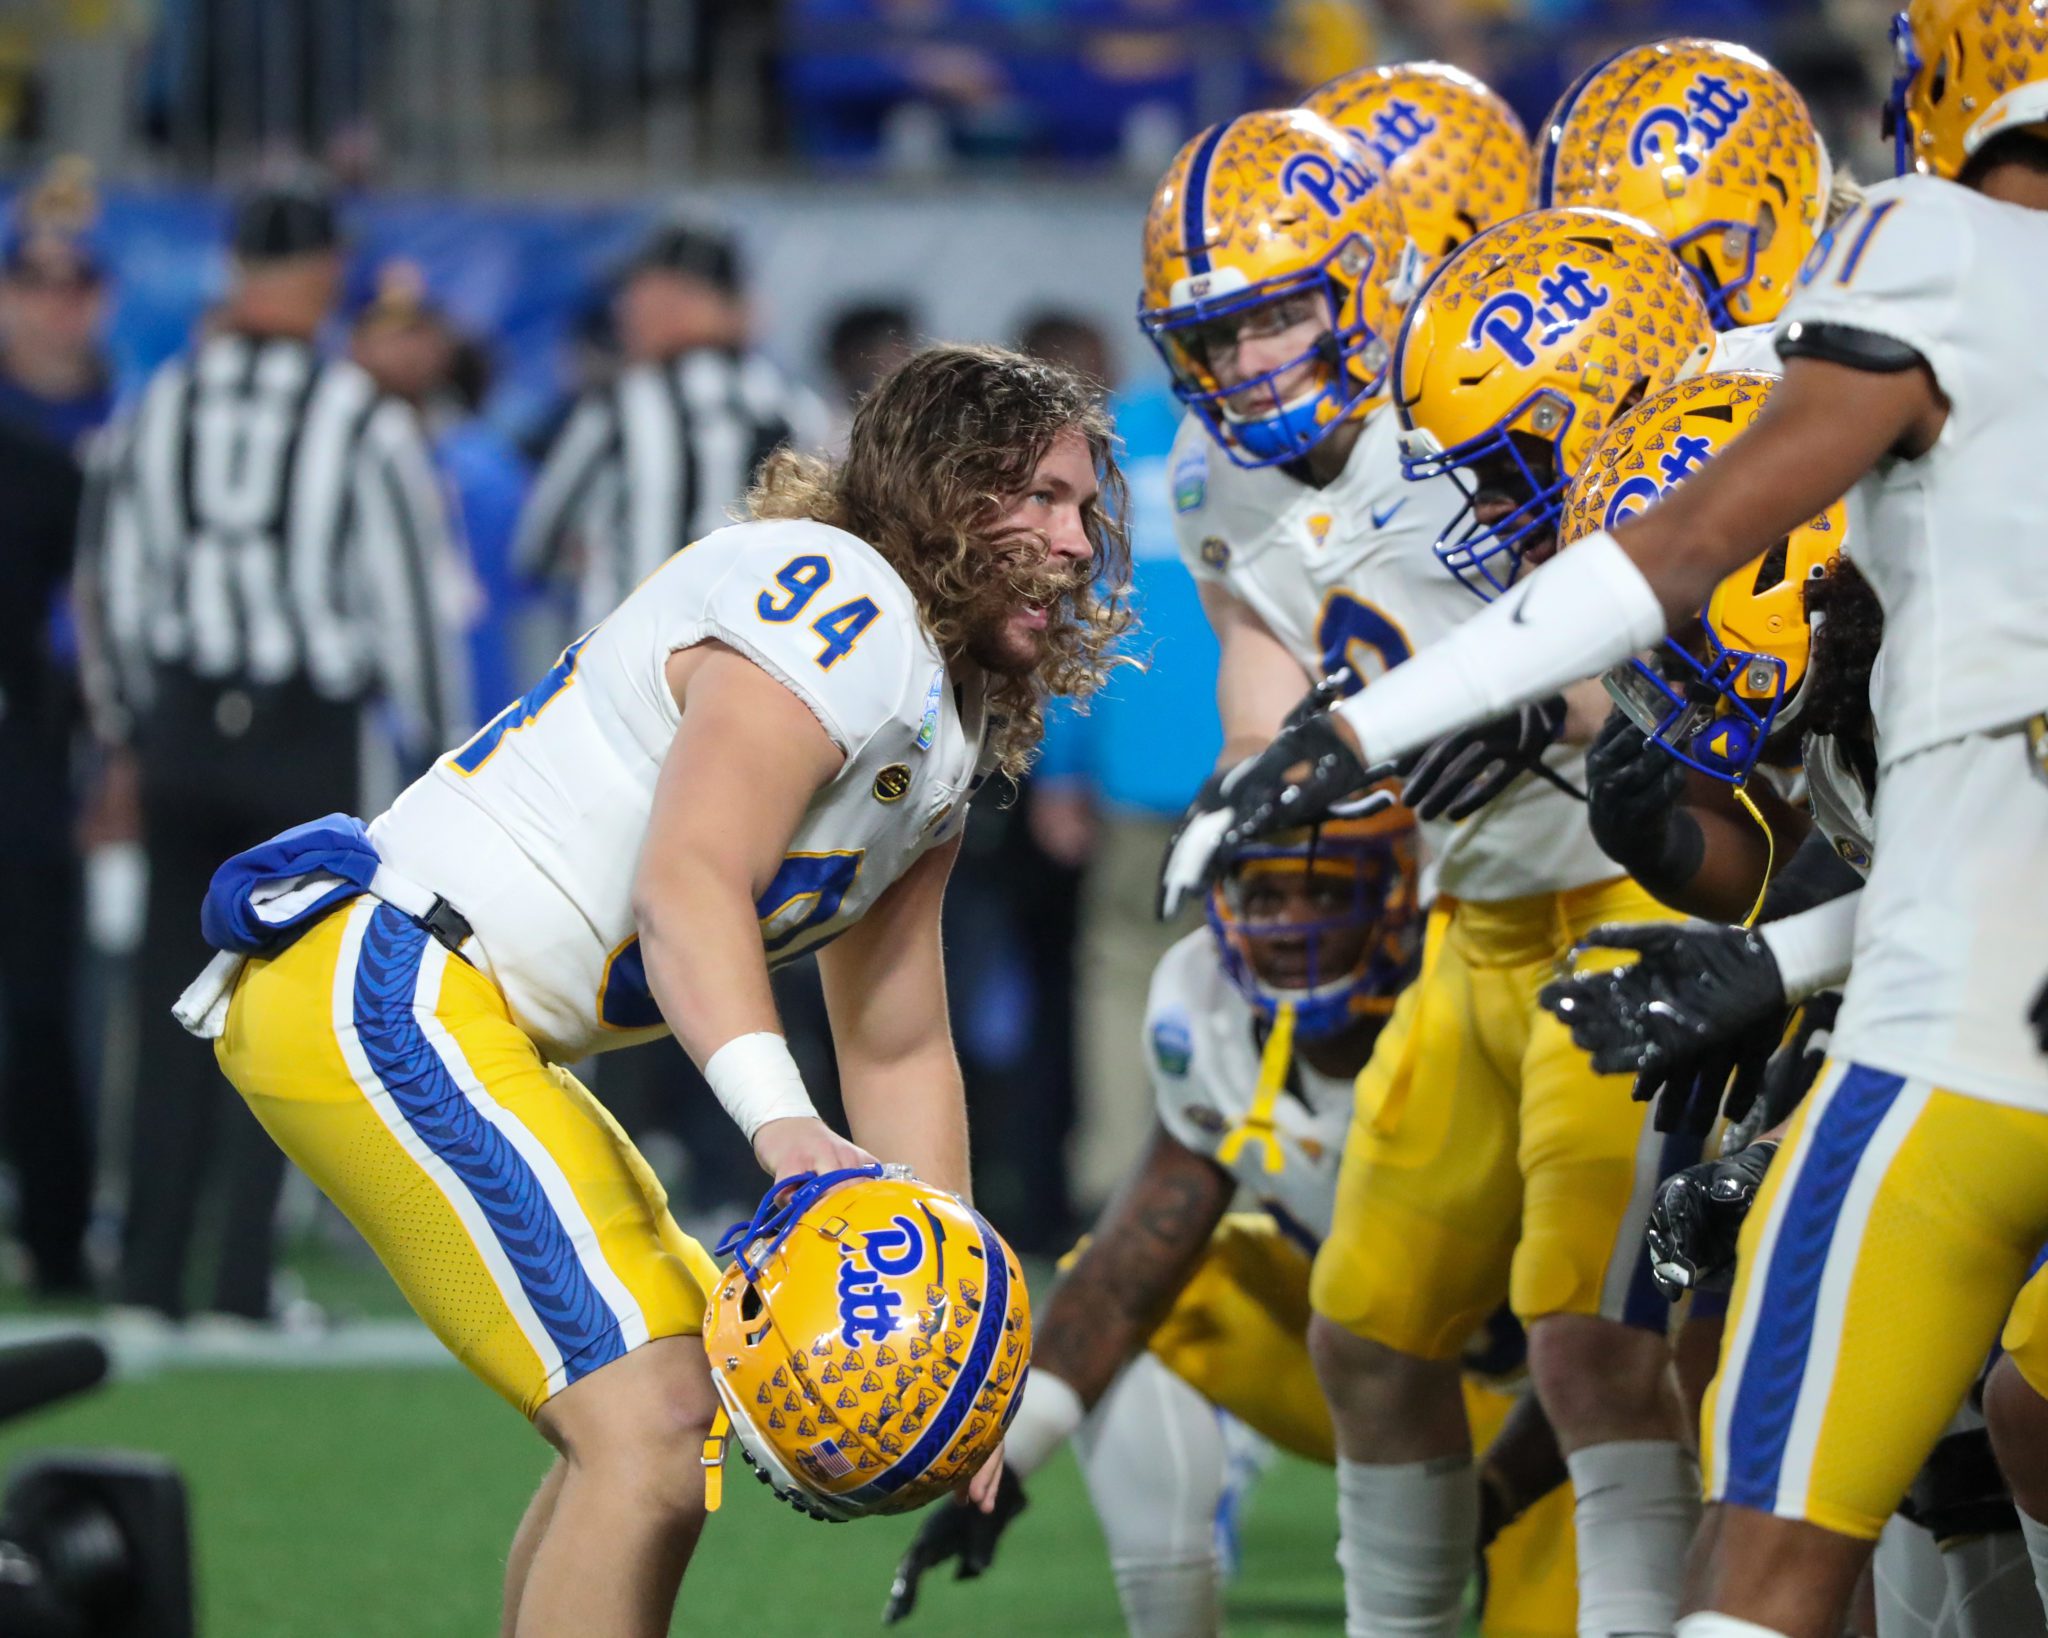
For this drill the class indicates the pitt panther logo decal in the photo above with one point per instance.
(1332, 188)
(867, 1307)
(1397, 129)
(1668, 135)
(1511, 318)
(1685, 456)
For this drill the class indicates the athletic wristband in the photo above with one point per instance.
(757, 1081)
(1047, 1418)
(1589, 609)
(1814, 948)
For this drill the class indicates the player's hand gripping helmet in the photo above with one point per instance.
(1276, 263)
(1714, 696)
(1709, 145)
(1521, 350)
(1322, 919)
(869, 1341)
(1455, 154)
(1966, 70)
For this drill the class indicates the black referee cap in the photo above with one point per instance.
(274, 223)
(692, 250)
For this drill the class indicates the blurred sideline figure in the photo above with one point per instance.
(53, 376)
(265, 573)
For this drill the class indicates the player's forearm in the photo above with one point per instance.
(1735, 854)
(911, 1110)
(701, 946)
(1144, 1248)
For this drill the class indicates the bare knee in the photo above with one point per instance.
(1387, 1406)
(1601, 1381)
(2019, 1436)
(637, 1427)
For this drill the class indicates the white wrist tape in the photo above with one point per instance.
(757, 1081)
(1046, 1420)
(1814, 948)
(1572, 618)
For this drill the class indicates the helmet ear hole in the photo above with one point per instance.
(1937, 87)
(751, 1304)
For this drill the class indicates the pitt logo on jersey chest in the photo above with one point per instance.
(1668, 135)
(1331, 188)
(1508, 321)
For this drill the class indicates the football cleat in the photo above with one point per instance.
(1715, 696)
(1268, 228)
(1520, 351)
(1453, 151)
(869, 1341)
(1713, 148)
(1323, 919)
(1965, 71)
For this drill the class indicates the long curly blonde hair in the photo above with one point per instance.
(938, 454)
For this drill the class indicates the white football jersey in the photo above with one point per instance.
(1951, 541)
(1748, 347)
(1203, 1050)
(1348, 574)
(533, 829)
(1952, 932)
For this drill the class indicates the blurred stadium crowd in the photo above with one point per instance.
(491, 309)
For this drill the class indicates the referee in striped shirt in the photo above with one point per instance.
(657, 458)
(266, 574)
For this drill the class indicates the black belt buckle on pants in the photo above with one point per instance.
(447, 924)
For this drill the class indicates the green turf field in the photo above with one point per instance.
(376, 1504)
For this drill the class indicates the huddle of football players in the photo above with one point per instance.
(1522, 485)
(1844, 775)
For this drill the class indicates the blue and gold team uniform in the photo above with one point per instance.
(421, 1088)
(1482, 1143)
(1910, 1199)
(1238, 1332)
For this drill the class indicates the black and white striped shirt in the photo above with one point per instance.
(652, 462)
(265, 516)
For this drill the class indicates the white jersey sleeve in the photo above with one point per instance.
(1897, 268)
(1205, 552)
(818, 610)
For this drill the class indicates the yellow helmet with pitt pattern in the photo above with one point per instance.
(1966, 70)
(1455, 153)
(1717, 696)
(1711, 146)
(869, 1341)
(1520, 351)
(1275, 231)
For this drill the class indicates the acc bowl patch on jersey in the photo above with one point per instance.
(1191, 482)
(1173, 1043)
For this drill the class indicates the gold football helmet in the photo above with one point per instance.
(1711, 146)
(1966, 70)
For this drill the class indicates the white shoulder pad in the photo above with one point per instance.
(1188, 471)
(1897, 266)
(1748, 347)
(817, 609)
(1184, 987)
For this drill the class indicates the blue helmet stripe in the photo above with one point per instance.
(1192, 234)
(975, 1371)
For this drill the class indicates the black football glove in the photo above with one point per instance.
(1697, 1217)
(1320, 698)
(1796, 1064)
(1258, 797)
(954, 1530)
(1462, 772)
(1634, 789)
(2037, 1015)
(1702, 1004)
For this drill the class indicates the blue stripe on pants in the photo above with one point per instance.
(1774, 1365)
(570, 1308)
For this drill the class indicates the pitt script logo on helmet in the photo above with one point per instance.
(1271, 232)
(1323, 920)
(1717, 694)
(869, 1342)
(1966, 70)
(1453, 151)
(1713, 148)
(1522, 348)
